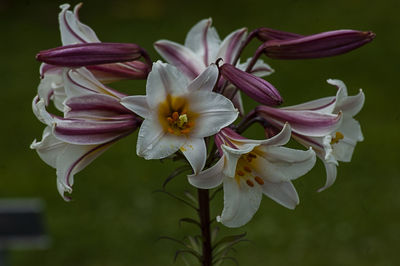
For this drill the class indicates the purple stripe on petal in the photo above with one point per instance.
(95, 102)
(310, 123)
(233, 46)
(181, 57)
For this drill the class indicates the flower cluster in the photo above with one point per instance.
(191, 106)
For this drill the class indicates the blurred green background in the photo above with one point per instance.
(115, 218)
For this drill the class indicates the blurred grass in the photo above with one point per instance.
(115, 219)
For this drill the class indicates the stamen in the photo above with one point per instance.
(247, 169)
(182, 120)
(170, 130)
(338, 136)
(259, 180)
(249, 183)
(175, 116)
(240, 172)
(185, 131)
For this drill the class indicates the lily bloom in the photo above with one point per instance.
(250, 168)
(334, 144)
(179, 113)
(203, 47)
(73, 32)
(93, 120)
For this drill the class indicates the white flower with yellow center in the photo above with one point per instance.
(250, 168)
(179, 113)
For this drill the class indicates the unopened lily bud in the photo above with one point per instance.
(266, 34)
(257, 88)
(318, 45)
(114, 72)
(84, 54)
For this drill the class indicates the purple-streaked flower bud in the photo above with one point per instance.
(257, 88)
(84, 54)
(118, 71)
(317, 45)
(266, 34)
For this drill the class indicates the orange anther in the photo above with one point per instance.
(240, 172)
(170, 130)
(247, 169)
(175, 116)
(259, 180)
(170, 120)
(185, 131)
(249, 183)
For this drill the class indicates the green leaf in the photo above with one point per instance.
(188, 251)
(190, 196)
(189, 220)
(230, 239)
(176, 173)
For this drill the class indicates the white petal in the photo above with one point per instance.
(49, 147)
(195, 152)
(72, 30)
(137, 104)
(260, 68)
(283, 193)
(232, 156)
(236, 99)
(154, 143)
(214, 112)
(204, 41)
(181, 57)
(209, 178)
(230, 45)
(72, 160)
(206, 80)
(163, 80)
(325, 105)
(240, 203)
(351, 130)
(280, 164)
(331, 173)
(278, 140)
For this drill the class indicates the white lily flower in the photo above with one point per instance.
(179, 113)
(332, 145)
(250, 168)
(203, 47)
(93, 120)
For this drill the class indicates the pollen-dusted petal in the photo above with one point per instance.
(137, 104)
(181, 57)
(213, 110)
(164, 80)
(209, 178)
(196, 153)
(203, 40)
(154, 143)
(283, 193)
(240, 203)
